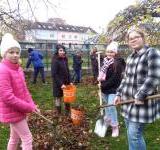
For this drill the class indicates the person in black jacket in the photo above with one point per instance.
(94, 63)
(77, 67)
(60, 76)
(110, 76)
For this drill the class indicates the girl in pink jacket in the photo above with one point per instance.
(15, 99)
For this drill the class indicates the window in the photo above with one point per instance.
(50, 27)
(61, 28)
(75, 36)
(81, 29)
(63, 36)
(70, 36)
(51, 35)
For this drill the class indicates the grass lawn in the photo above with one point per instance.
(88, 97)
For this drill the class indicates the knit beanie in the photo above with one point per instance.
(113, 46)
(7, 43)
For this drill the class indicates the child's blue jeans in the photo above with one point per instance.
(110, 112)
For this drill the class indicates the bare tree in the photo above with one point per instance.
(17, 15)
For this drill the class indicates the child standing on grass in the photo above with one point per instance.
(94, 63)
(77, 67)
(141, 79)
(110, 77)
(61, 77)
(36, 58)
(15, 99)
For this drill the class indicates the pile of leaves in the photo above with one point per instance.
(62, 134)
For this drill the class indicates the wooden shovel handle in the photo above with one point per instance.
(48, 120)
(131, 101)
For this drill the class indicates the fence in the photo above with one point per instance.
(48, 50)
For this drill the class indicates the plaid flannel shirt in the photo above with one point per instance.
(142, 76)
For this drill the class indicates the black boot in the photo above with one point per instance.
(67, 109)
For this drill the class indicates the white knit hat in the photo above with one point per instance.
(113, 46)
(7, 43)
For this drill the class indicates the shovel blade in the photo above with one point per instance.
(100, 128)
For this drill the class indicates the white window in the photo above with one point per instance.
(51, 35)
(63, 36)
(50, 27)
(70, 36)
(75, 36)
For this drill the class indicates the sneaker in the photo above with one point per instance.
(115, 131)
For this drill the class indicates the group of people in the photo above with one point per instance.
(35, 58)
(140, 79)
(136, 79)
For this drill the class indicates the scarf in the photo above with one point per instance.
(106, 63)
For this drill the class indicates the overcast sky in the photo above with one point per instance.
(90, 13)
(93, 13)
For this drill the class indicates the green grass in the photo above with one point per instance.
(87, 96)
(4, 130)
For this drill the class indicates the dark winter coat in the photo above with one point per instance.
(60, 74)
(113, 76)
(77, 62)
(94, 64)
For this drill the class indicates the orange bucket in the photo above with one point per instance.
(76, 116)
(69, 93)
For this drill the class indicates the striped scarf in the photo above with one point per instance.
(106, 63)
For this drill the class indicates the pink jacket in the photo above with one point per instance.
(15, 99)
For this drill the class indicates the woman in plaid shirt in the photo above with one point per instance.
(140, 80)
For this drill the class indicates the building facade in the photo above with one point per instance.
(58, 33)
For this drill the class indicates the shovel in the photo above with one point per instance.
(46, 119)
(101, 126)
(152, 97)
